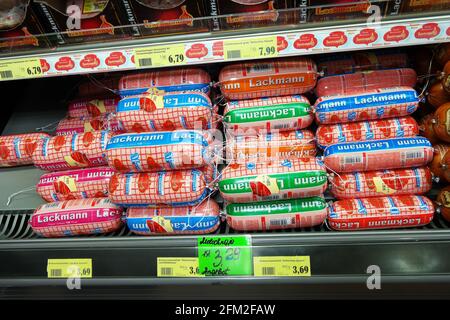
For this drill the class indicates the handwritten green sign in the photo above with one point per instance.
(225, 256)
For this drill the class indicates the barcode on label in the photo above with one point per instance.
(147, 62)
(414, 154)
(260, 68)
(166, 271)
(6, 74)
(352, 160)
(279, 222)
(234, 54)
(268, 271)
(283, 126)
(56, 273)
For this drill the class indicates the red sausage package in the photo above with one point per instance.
(366, 130)
(17, 149)
(92, 107)
(280, 77)
(380, 213)
(378, 154)
(72, 151)
(76, 217)
(381, 183)
(199, 219)
(359, 82)
(68, 126)
(74, 184)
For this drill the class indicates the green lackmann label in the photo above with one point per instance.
(266, 113)
(285, 181)
(276, 207)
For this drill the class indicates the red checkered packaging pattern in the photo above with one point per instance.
(76, 217)
(170, 80)
(287, 179)
(17, 149)
(366, 105)
(165, 112)
(271, 146)
(73, 151)
(92, 107)
(380, 213)
(74, 184)
(356, 83)
(381, 183)
(102, 85)
(199, 219)
(155, 151)
(173, 188)
(280, 77)
(366, 130)
(254, 116)
(106, 121)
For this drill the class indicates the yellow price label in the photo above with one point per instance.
(160, 56)
(177, 267)
(20, 69)
(262, 47)
(69, 268)
(282, 266)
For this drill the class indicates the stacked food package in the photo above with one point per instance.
(377, 161)
(165, 162)
(272, 180)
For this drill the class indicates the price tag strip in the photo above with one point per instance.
(69, 268)
(261, 47)
(160, 56)
(225, 256)
(20, 69)
(282, 266)
(177, 267)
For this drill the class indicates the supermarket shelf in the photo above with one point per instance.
(293, 40)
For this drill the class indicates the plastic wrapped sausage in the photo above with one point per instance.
(366, 105)
(355, 83)
(173, 188)
(271, 146)
(155, 151)
(380, 213)
(72, 151)
(287, 179)
(74, 184)
(268, 78)
(102, 86)
(17, 149)
(92, 107)
(200, 219)
(185, 79)
(68, 126)
(378, 154)
(165, 112)
(76, 217)
(280, 214)
(381, 183)
(250, 117)
(366, 130)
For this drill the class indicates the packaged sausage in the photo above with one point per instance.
(173, 188)
(155, 151)
(426, 128)
(381, 183)
(76, 217)
(68, 126)
(446, 77)
(199, 219)
(103, 85)
(366, 105)
(286, 179)
(268, 78)
(250, 117)
(92, 107)
(72, 151)
(366, 130)
(437, 96)
(183, 79)
(271, 146)
(441, 123)
(443, 201)
(378, 154)
(440, 165)
(74, 184)
(165, 112)
(17, 149)
(380, 213)
(359, 82)
(274, 215)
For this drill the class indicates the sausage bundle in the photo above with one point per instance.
(92, 107)
(18, 149)
(68, 126)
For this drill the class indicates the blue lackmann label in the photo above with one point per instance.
(186, 223)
